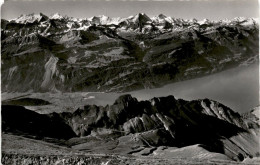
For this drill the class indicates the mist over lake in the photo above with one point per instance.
(236, 88)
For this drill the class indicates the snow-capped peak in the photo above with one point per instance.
(130, 17)
(115, 20)
(256, 20)
(140, 17)
(159, 19)
(104, 20)
(245, 21)
(56, 16)
(101, 19)
(204, 21)
(161, 16)
(240, 19)
(226, 21)
(30, 18)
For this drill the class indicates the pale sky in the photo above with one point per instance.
(187, 9)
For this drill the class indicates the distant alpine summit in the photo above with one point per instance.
(61, 53)
(137, 21)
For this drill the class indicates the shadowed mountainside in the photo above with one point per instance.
(25, 102)
(17, 119)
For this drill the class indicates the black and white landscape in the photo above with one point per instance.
(100, 90)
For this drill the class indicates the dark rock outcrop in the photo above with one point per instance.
(18, 120)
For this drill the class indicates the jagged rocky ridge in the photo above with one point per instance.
(61, 53)
(163, 121)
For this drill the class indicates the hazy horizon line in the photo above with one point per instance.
(150, 16)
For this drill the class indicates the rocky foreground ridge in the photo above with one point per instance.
(146, 128)
(60, 53)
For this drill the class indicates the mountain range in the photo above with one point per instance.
(163, 127)
(61, 53)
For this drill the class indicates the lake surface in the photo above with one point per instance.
(236, 88)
